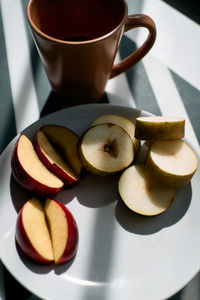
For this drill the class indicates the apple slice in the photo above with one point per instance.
(123, 122)
(173, 163)
(142, 194)
(30, 172)
(46, 234)
(65, 140)
(63, 231)
(159, 128)
(106, 149)
(52, 160)
(32, 234)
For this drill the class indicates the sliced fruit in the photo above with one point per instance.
(123, 122)
(65, 141)
(46, 233)
(32, 234)
(53, 161)
(142, 194)
(159, 128)
(30, 172)
(63, 231)
(173, 163)
(106, 149)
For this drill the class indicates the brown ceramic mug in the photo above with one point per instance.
(78, 41)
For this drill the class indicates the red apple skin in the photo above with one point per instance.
(28, 182)
(25, 244)
(54, 168)
(73, 237)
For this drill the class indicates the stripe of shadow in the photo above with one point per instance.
(177, 296)
(187, 7)
(53, 104)
(12, 287)
(104, 99)
(7, 120)
(191, 99)
(40, 78)
(7, 133)
(138, 80)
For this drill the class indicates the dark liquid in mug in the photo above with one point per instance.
(79, 20)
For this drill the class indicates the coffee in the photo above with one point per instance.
(88, 19)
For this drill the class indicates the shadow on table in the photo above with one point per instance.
(190, 8)
(54, 103)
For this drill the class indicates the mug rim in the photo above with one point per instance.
(60, 41)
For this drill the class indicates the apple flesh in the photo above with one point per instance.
(63, 231)
(30, 172)
(65, 140)
(32, 234)
(142, 194)
(53, 161)
(48, 233)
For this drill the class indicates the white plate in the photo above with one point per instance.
(121, 255)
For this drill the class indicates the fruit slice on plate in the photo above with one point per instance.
(106, 149)
(32, 234)
(65, 140)
(46, 234)
(121, 121)
(159, 128)
(142, 194)
(30, 172)
(53, 161)
(63, 231)
(173, 163)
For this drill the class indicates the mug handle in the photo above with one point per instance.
(134, 21)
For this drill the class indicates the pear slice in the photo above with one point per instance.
(159, 128)
(121, 121)
(173, 163)
(142, 194)
(106, 149)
